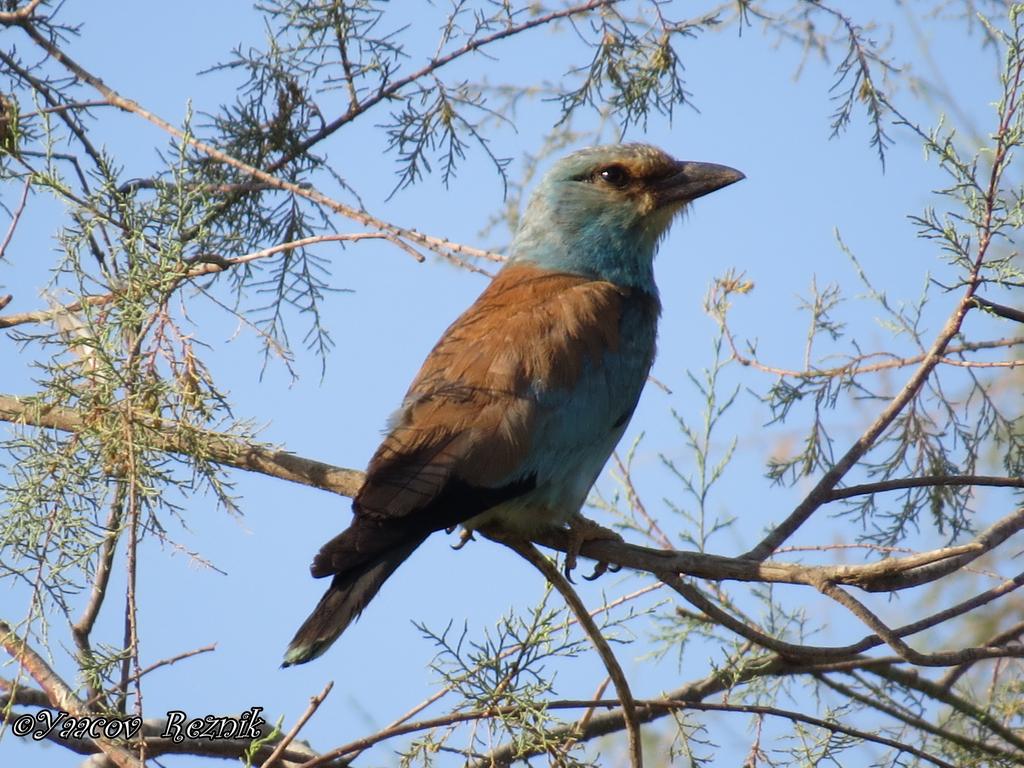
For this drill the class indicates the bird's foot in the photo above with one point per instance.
(582, 530)
(465, 536)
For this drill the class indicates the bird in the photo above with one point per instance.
(518, 406)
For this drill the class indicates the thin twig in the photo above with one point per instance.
(833, 726)
(1014, 632)
(999, 309)
(82, 629)
(635, 502)
(527, 551)
(904, 651)
(314, 705)
(206, 264)
(174, 659)
(46, 315)
(858, 366)
(16, 216)
(925, 481)
(581, 724)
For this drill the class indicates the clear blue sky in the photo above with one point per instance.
(777, 226)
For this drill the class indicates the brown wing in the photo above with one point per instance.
(469, 412)
(466, 423)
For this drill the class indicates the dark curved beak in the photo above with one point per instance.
(692, 180)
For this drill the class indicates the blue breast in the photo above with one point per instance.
(577, 430)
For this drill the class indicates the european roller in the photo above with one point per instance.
(519, 405)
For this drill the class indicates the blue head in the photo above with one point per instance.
(602, 211)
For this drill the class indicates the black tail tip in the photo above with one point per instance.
(300, 654)
(295, 656)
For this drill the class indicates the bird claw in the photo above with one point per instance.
(582, 530)
(601, 568)
(464, 538)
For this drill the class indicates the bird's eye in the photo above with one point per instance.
(615, 175)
